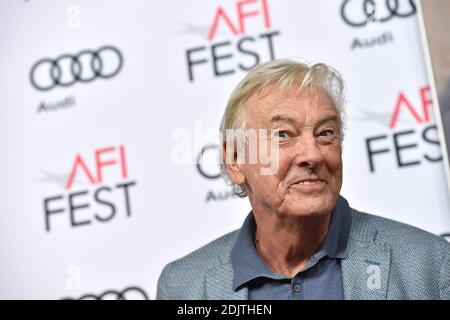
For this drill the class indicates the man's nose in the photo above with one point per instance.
(308, 152)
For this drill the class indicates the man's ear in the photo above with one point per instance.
(234, 169)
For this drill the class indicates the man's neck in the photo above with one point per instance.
(286, 244)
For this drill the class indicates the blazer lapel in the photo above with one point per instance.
(219, 284)
(365, 270)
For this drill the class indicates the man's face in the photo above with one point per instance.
(305, 127)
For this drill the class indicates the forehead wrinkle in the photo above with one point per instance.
(282, 118)
(286, 98)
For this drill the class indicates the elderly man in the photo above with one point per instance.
(302, 240)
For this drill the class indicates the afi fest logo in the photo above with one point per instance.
(77, 207)
(405, 148)
(230, 48)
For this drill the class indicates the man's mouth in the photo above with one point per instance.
(308, 182)
(311, 185)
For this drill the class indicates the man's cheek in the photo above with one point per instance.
(334, 157)
(269, 158)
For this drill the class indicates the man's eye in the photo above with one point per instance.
(327, 133)
(281, 134)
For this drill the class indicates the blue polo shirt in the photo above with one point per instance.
(320, 280)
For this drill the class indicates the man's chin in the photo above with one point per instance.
(305, 209)
(305, 213)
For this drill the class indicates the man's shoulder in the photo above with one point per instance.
(396, 234)
(188, 271)
(212, 253)
(419, 260)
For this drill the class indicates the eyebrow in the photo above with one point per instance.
(331, 118)
(284, 118)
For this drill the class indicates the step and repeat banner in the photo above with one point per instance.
(109, 116)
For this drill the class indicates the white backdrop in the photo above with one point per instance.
(92, 199)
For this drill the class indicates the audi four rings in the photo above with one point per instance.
(130, 293)
(85, 66)
(375, 10)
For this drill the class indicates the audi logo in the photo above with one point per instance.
(85, 66)
(130, 293)
(207, 162)
(358, 13)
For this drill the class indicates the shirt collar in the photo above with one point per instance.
(335, 244)
(248, 265)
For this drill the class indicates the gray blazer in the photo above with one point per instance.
(385, 260)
